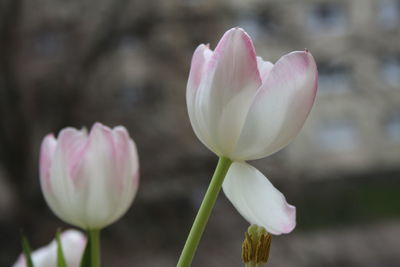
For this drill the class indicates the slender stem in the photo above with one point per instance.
(94, 236)
(204, 212)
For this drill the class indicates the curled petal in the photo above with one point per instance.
(280, 107)
(257, 200)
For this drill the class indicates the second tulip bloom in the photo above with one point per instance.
(89, 180)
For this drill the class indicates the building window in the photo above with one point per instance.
(337, 136)
(327, 17)
(388, 15)
(333, 79)
(391, 71)
(392, 127)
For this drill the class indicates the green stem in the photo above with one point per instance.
(204, 212)
(94, 236)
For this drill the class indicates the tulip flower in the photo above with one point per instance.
(73, 244)
(90, 180)
(244, 108)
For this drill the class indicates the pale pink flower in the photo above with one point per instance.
(90, 180)
(244, 108)
(73, 244)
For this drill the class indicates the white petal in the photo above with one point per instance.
(228, 86)
(280, 108)
(61, 197)
(73, 243)
(257, 200)
(200, 60)
(47, 150)
(201, 57)
(100, 191)
(264, 68)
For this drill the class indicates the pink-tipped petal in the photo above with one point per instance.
(47, 150)
(197, 77)
(264, 67)
(72, 145)
(101, 182)
(228, 85)
(235, 61)
(257, 200)
(200, 58)
(126, 169)
(107, 169)
(126, 161)
(280, 107)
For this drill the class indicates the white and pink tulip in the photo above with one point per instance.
(244, 108)
(89, 180)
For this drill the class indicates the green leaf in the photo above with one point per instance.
(60, 254)
(27, 251)
(86, 257)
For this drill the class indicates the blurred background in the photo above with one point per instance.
(71, 63)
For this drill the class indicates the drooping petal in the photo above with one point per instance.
(280, 107)
(257, 200)
(228, 85)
